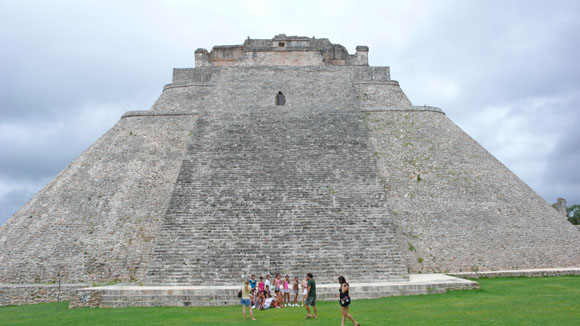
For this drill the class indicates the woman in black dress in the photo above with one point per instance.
(345, 300)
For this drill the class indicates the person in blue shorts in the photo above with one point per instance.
(245, 300)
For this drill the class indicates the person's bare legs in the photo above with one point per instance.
(308, 309)
(315, 313)
(244, 311)
(295, 299)
(345, 314)
(252, 313)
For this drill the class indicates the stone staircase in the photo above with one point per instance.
(266, 189)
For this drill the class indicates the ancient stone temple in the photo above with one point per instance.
(284, 155)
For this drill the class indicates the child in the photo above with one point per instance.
(267, 303)
(266, 299)
(253, 282)
(279, 301)
(261, 285)
(304, 290)
(261, 290)
(246, 300)
(278, 282)
(295, 289)
(267, 282)
(287, 289)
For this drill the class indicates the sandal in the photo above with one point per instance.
(308, 317)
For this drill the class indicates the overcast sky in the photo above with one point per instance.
(507, 72)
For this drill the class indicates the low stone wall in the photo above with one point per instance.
(119, 296)
(520, 273)
(21, 294)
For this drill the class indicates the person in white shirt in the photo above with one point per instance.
(268, 303)
(267, 282)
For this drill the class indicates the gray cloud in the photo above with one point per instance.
(506, 72)
(562, 175)
(11, 201)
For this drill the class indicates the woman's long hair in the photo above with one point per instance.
(341, 280)
(246, 286)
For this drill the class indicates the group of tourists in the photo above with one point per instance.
(268, 293)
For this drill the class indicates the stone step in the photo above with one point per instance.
(144, 296)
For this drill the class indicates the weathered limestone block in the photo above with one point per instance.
(21, 294)
(376, 95)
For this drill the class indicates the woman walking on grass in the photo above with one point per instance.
(345, 301)
(245, 300)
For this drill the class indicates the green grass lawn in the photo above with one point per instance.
(508, 301)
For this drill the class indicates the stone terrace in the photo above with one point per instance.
(117, 296)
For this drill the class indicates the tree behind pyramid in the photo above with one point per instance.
(284, 155)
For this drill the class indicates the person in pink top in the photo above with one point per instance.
(287, 289)
(278, 283)
(260, 297)
(261, 285)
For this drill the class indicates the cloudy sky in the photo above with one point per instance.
(507, 72)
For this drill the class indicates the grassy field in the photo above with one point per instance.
(508, 301)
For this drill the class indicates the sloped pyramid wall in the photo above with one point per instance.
(98, 218)
(459, 208)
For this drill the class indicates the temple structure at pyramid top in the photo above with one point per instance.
(282, 50)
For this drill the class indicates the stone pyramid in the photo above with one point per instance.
(282, 155)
